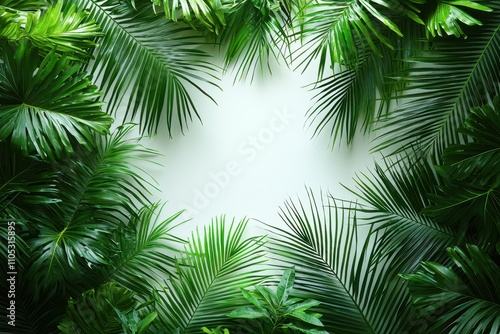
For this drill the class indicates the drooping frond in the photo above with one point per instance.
(255, 34)
(447, 16)
(338, 32)
(336, 264)
(152, 63)
(213, 268)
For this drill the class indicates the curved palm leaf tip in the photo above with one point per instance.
(464, 298)
(155, 62)
(357, 291)
(254, 31)
(213, 268)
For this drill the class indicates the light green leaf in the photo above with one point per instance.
(285, 285)
(307, 318)
(247, 313)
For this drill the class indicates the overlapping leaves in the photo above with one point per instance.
(153, 64)
(336, 264)
(464, 298)
(214, 267)
(47, 103)
(470, 196)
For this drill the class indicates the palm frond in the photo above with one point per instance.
(46, 103)
(355, 99)
(338, 32)
(152, 62)
(469, 197)
(460, 299)
(93, 311)
(337, 266)
(209, 14)
(480, 157)
(143, 250)
(68, 32)
(445, 82)
(213, 268)
(394, 198)
(23, 5)
(256, 33)
(97, 189)
(446, 17)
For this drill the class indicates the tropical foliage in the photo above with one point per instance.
(274, 312)
(418, 252)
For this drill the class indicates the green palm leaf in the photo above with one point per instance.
(445, 19)
(46, 103)
(446, 82)
(151, 62)
(97, 189)
(68, 32)
(469, 197)
(211, 272)
(210, 14)
(143, 250)
(23, 5)
(256, 33)
(338, 32)
(93, 311)
(460, 299)
(336, 268)
(480, 157)
(353, 100)
(394, 198)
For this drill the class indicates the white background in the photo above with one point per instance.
(252, 152)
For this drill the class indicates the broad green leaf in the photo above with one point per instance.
(302, 306)
(249, 295)
(307, 318)
(247, 313)
(285, 285)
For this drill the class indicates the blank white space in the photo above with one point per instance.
(283, 162)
